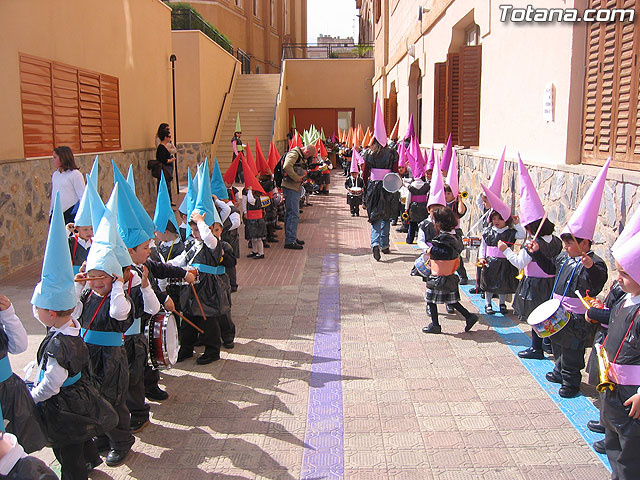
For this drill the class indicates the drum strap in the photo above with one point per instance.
(568, 283)
(5, 368)
(134, 329)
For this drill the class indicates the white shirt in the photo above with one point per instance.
(9, 460)
(209, 239)
(151, 302)
(417, 184)
(235, 220)
(630, 301)
(522, 258)
(70, 184)
(119, 306)
(54, 374)
(16, 334)
(249, 197)
(223, 209)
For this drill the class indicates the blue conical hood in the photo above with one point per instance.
(126, 192)
(56, 289)
(190, 197)
(102, 254)
(183, 205)
(83, 215)
(218, 188)
(164, 213)
(94, 173)
(130, 180)
(204, 203)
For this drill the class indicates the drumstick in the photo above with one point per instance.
(539, 227)
(188, 321)
(193, 288)
(90, 279)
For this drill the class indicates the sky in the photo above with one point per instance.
(331, 17)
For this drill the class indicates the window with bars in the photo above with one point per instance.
(65, 105)
(611, 118)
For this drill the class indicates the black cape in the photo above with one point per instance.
(381, 205)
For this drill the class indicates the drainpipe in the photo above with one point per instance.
(173, 59)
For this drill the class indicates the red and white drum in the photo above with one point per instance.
(162, 333)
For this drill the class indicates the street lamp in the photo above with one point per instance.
(173, 59)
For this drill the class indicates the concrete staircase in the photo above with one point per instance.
(254, 96)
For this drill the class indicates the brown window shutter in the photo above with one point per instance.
(439, 102)
(109, 89)
(393, 110)
(452, 122)
(386, 111)
(37, 106)
(90, 111)
(591, 120)
(65, 106)
(469, 110)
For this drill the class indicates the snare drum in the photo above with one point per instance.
(422, 265)
(265, 201)
(356, 190)
(162, 333)
(548, 318)
(181, 281)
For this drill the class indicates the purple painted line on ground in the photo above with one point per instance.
(323, 456)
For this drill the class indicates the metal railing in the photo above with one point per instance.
(245, 60)
(326, 50)
(185, 19)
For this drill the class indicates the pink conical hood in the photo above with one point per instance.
(410, 160)
(355, 154)
(627, 254)
(436, 193)
(446, 156)
(354, 164)
(495, 183)
(631, 228)
(379, 130)
(531, 208)
(431, 161)
(402, 155)
(410, 130)
(452, 175)
(583, 221)
(497, 204)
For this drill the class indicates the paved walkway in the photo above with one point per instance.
(332, 378)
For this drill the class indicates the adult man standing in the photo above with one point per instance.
(294, 166)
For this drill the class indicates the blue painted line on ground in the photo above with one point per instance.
(323, 456)
(578, 410)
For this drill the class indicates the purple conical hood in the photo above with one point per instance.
(531, 208)
(436, 192)
(497, 204)
(495, 183)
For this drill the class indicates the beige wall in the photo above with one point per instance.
(204, 72)
(281, 124)
(130, 39)
(331, 83)
(513, 78)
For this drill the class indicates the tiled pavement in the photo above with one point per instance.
(412, 406)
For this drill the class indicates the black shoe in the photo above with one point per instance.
(475, 291)
(102, 444)
(259, 256)
(272, 240)
(228, 345)
(277, 227)
(450, 309)
(117, 457)
(156, 393)
(184, 354)
(595, 426)
(299, 242)
(234, 289)
(386, 251)
(293, 246)
(266, 245)
(568, 392)
(251, 255)
(471, 321)
(488, 309)
(408, 242)
(531, 353)
(431, 328)
(207, 358)
(357, 214)
(91, 465)
(376, 253)
(553, 378)
(464, 281)
(138, 426)
(503, 309)
(599, 447)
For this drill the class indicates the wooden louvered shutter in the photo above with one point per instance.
(110, 98)
(393, 110)
(440, 102)
(469, 110)
(452, 122)
(37, 107)
(386, 111)
(611, 121)
(65, 106)
(90, 111)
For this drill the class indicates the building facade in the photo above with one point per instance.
(258, 28)
(562, 95)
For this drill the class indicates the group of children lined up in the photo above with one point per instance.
(122, 269)
(562, 274)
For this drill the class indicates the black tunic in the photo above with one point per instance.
(381, 205)
(533, 291)
(577, 331)
(78, 252)
(19, 409)
(78, 412)
(30, 468)
(137, 345)
(270, 212)
(615, 415)
(499, 276)
(109, 364)
(214, 291)
(232, 236)
(418, 210)
(354, 182)
(254, 228)
(441, 288)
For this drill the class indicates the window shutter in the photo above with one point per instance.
(393, 111)
(90, 111)
(37, 106)
(65, 106)
(439, 102)
(469, 109)
(386, 109)
(452, 121)
(591, 123)
(109, 93)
